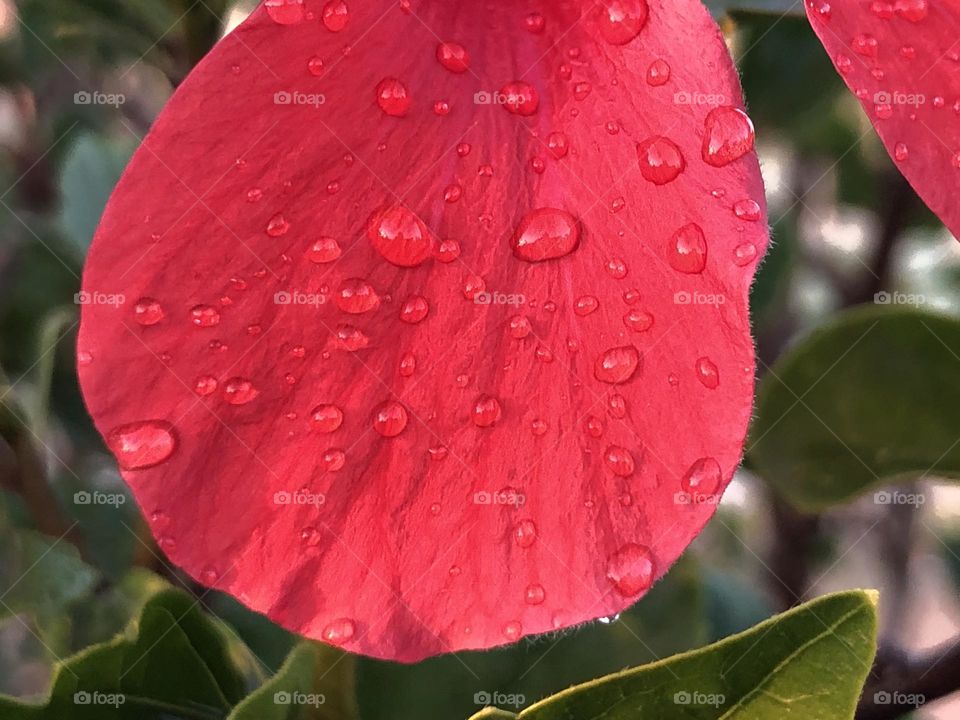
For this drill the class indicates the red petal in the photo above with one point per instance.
(411, 381)
(902, 61)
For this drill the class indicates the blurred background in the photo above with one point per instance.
(80, 80)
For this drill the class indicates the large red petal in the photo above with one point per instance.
(496, 335)
(902, 61)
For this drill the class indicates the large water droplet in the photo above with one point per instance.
(339, 631)
(660, 160)
(204, 316)
(142, 444)
(728, 135)
(620, 21)
(617, 365)
(619, 460)
(390, 419)
(707, 373)
(658, 73)
(586, 305)
(239, 391)
(336, 15)
(285, 12)
(486, 411)
(687, 251)
(147, 312)
(277, 226)
(400, 236)
(702, 480)
(520, 98)
(525, 533)
(747, 209)
(393, 97)
(324, 250)
(631, 569)
(534, 594)
(545, 234)
(326, 418)
(414, 309)
(453, 56)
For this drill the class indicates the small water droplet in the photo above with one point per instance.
(205, 385)
(408, 365)
(277, 226)
(324, 250)
(147, 311)
(744, 253)
(558, 144)
(339, 631)
(525, 533)
(534, 22)
(747, 209)
(333, 459)
(658, 73)
(357, 296)
(520, 98)
(707, 373)
(545, 234)
(593, 426)
(512, 631)
(453, 56)
(335, 15)
(285, 12)
(393, 97)
(702, 480)
(617, 365)
(204, 316)
(239, 391)
(326, 418)
(414, 309)
(142, 444)
(534, 594)
(586, 305)
(631, 569)
(688, 250)
(619, 460)
(486, 411)
(390, 419)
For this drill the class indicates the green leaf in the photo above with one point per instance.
(809, 662)
(719, 8)
(869, 399)
(91, 169)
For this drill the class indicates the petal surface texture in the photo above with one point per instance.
(436, 331)
(902, 61)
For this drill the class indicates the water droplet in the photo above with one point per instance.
(586, 305)
(486, 411)
(538, 165)
(399, 236)
(620, 21)
(744, 253)
(357, 296)
(285, 12)
(581, 90)
(534, 594)
(728, 135)
(277, 226)
(660, 160)
(525, 533)
(538, 427)
(336, 15)
(142, 444)
(520, 98)
(545, 234)
(415, 308)
(326, 418)
(147, 311)
(324, 250)
(619, 460)
(205, 385)
(453, 56)
(865, 44)
(334, 459)
(390, 419)
(702, 480)
(512, 631)
(209, 575)
(638, 320)
(912, 10)
(617, 365)
(519, 326)
(315, 66)
(688, 250)
(408, 365)
(820, 9)
(617, 406)
(534, 22)
(339, 631)
(658, 73)
(448, 251)
(593, 426)
(631, 569)
(393, 97)
(707, 373)
(900, 152)
(204, 316)
(558, 144)
(543, 354)
(453, 192)
(616, 268)
(239, 391)
(747, 209)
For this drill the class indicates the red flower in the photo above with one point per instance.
(902, 61)
(436, 332)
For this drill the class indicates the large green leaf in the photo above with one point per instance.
(809, 662)
(720, 8)
(869, 399)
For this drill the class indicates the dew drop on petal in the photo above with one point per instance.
(728, 135)
(747, 209)
(335, 15)
(333, 459)
(390, 419)
(486, 411)
(617, 365)
(324, 250)
(408, 365)
(453, 56)
(631, 569)
(414, 309)
(147, 311)
(326, 418)
(399, 236)
(744, 253)
(702, 480)
(357, 296)
(239, 391)
(525, 533)
(558, 144)
(660, 160)
(638, 320)
(204, 316)
(620, 21)
(512, 631)
(534, 22)
(687, 251)
(520, 98)
(534, 594)
(658, 73)
(707, 373)
(339, 631)
(619, 460)
(393, 97)
(205, 385)
(585, 305)
(545, 234)
(142, 444)
(285, 12)
(277, 226)
(519, 326)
